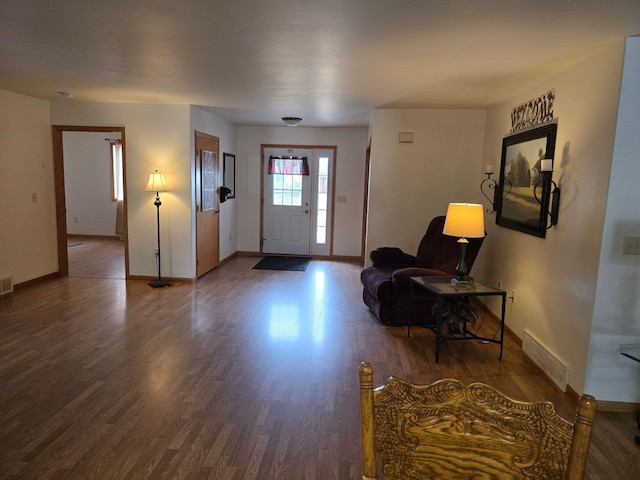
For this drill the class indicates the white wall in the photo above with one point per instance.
(87, 183)
(412, 183)
(27, 228)
(616, 314)
(206, 122)
(156, 137)
(555, 278)
(350, 164)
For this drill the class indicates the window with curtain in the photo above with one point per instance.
(288, 166)
(287, 179)
(117, 187)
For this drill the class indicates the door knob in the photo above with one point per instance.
(306, 211)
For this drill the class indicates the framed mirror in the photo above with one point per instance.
(229, 173)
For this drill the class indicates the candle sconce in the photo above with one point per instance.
(489, 184)
(550, 189)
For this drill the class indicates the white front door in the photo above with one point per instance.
(287, 210)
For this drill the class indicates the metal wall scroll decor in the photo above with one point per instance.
(534, 112)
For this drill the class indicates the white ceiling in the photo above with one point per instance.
(328, 61)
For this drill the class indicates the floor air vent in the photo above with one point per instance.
(6, 284)
(555, 369)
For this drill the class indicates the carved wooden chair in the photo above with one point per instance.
(446, 430)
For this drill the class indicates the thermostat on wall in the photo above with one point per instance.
(405, 137)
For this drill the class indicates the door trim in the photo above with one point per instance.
(365, 203)
(334, 149)
(61, 205)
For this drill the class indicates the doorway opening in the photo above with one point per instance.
(90, 190)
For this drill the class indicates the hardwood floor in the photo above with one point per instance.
(95, 257)
(246, 374)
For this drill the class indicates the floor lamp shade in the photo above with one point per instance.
(158, 184)
(464, 220)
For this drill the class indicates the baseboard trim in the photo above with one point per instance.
(618, 407)
(607, 406)
(334, 258)
(570, 392)
(228, 259)
(81, 236)
(338, 258)
(495, 318)
(33, 281)
(169, 279)
(573, 395)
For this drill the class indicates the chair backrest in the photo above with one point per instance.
(442, 252)
(446, 430)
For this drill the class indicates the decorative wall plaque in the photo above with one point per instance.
(536, 111)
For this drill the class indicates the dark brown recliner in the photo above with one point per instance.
(386, 282)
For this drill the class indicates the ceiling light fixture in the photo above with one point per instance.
(65, 94)
(291, 121)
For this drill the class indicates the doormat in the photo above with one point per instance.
(293, 264)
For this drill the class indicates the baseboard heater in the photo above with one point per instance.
(551, 365)
(6, 284)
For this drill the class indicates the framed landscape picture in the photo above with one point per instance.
(523, 198)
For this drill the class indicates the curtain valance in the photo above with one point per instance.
(286, 165)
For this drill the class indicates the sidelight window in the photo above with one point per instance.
(322, 200)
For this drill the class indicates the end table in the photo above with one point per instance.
(442, 288)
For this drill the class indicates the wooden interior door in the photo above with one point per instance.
(207, 203)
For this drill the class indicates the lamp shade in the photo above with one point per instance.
(464, 220)
(156, 183)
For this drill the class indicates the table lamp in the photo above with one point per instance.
(464, 220)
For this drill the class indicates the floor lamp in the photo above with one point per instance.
(158, 184)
